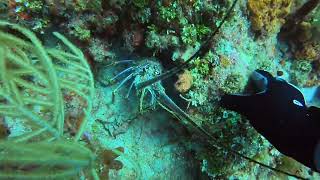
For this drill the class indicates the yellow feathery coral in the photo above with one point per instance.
(266, 16)
(33, 80)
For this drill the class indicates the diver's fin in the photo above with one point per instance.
(238, 103)
(315, 114)
(265, 74)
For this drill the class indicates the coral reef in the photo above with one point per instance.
(100, 51)
(145, 133)
(300, 72)
(302, 31)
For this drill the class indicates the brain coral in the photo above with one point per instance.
(266, 16)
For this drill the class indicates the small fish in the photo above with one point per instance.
(278, 111)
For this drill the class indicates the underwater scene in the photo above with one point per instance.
(160, 89)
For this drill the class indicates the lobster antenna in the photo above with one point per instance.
(204, 48)
(169, 105)
(214, 142)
